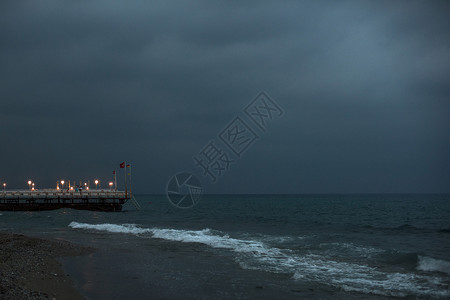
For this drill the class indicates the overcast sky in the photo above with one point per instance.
(364, 85)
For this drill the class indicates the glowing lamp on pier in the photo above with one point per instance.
(29, 184)
(4, 186)
(110, 185)
(96, 183)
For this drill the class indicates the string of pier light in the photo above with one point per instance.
(81, 186)
(60, 185)
(86, 185)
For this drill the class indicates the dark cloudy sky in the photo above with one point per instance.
(365, 86)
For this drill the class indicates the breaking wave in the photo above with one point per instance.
(429, 264)
(257, 255)
(125, 228)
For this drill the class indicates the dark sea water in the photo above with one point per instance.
(257, 247)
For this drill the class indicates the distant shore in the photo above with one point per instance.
(29, 268)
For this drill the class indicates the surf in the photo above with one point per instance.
(255, 254)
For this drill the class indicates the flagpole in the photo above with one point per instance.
(131, 194)
(115, 180)
(126, 192)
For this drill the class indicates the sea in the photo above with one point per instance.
(374, 246)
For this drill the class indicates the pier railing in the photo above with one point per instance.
(58, 196)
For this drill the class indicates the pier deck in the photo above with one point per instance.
(54, 199)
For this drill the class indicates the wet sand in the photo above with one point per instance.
(29, 268)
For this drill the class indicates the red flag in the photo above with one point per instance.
(122, 165)
(114, 172)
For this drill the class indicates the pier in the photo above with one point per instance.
(49, 199)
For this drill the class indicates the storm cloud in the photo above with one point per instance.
(365, 86)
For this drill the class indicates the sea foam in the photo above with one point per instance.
(125, 228)
(256, 255)
(429, 264)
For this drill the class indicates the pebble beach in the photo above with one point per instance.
(29, 268)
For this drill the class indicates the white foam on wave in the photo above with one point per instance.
(271, 239)
(125, 228)
(429, 264)
(354, 250)
(256, 255)
(392, 284)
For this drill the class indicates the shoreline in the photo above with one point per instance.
(29, 267)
